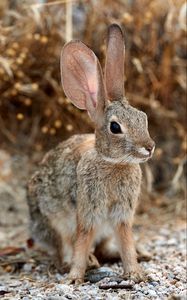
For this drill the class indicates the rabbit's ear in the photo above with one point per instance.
(82, 78)
(114, 66)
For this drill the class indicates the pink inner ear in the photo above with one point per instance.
(92, 85)
(82, 78)
(94, 103)
(87, 75)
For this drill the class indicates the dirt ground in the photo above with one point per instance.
(27, 273)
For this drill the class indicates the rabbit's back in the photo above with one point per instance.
(53, 187)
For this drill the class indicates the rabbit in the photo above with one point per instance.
(86, 189)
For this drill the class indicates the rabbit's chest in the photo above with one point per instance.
(109, 193)
(121, 193)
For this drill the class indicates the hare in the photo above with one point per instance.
(86, 189)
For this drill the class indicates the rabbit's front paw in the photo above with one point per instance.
(137, 275)
(75, 277)
(72, 280)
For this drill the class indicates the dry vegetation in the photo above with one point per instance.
(34, 113)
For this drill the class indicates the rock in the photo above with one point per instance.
(27, 267)
(56, 297)
(172, 242)
(98, 274)
(3, 288)
(152, 293)
(164, 231)
(153, 277)
(177, 270)
(66, 289)
(59, 277)
(145, 291)
(154, 283)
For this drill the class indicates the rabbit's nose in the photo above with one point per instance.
(150, 148)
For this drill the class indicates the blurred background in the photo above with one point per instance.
(35, 114)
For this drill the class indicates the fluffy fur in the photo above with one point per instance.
(86, 189)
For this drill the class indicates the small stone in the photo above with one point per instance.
(117, 279)
(59, 277)
(27, 267)
(124, 282)
(32, 292)
(64, 288)
(3, 288)
(152, 293)
(177, 270)
(15, 283)
(172, 242)
(153, 277)
(38, 298)
(164, 232)
(174, 281)
(153, 283)
(56, 297)
(145, 291)
(98, 274)
(171, 276)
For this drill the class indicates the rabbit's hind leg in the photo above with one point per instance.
(62, 241)
(47, 237)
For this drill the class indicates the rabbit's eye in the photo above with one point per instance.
(115, 128)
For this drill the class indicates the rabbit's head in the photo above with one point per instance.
(121, 130)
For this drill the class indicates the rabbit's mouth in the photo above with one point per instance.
(140, 155)
(145, 153)
(133, 155)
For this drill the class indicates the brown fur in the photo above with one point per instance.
(82, 247)
(88, 144)
(128, 252)
(86, 189)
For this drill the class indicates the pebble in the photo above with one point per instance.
(177, 270)
(172, 242)
(56, 297)
(164, 231)
(153, 277)
(64, 288)
(59, 277)
(3, 288)
(96, 275)
(154, 283)
(27, 267)
(152, 293)
(15, 283)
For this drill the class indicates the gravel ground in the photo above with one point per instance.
(27, 273)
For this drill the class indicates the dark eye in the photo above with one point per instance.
(115, 128)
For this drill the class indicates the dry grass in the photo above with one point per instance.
(34, 114)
